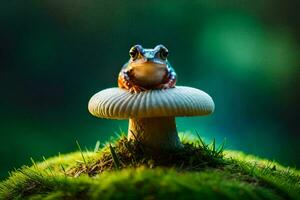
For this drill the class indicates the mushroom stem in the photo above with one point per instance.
(158, 133)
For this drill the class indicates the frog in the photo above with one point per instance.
(147, 69)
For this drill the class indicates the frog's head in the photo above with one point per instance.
(156, 56)
(148, 65)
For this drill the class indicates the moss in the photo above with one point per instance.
(128, 171)
(130, 154)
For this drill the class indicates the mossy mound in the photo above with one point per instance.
(128, 171)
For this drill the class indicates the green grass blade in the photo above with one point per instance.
(33, 163)
(201, 141)
(79, 147)
(97, 146)
(213, 146)
(48, 166)
(114, 157)
(64, 170)
(221, 148)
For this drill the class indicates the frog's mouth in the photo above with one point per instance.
(148, 73)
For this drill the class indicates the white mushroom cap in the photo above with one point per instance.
(116, 103)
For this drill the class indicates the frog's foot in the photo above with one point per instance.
(164, 86)
(136, 89)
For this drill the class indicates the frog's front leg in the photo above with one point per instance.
(170, 79)
(125, 81)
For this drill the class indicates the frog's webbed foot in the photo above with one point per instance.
(162, 86)
(124, 80)
(136, 89)
(165, 86)
(169, 80)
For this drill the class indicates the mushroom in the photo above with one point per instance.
(152, 113)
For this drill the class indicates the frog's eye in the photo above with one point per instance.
(163, 53)
(134, 52)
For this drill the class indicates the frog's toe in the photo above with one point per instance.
(134, 89)
(163, 86)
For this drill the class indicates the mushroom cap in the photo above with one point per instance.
(116, 103)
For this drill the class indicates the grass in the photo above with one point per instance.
(124, 170)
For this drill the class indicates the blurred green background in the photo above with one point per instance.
(55, 54)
